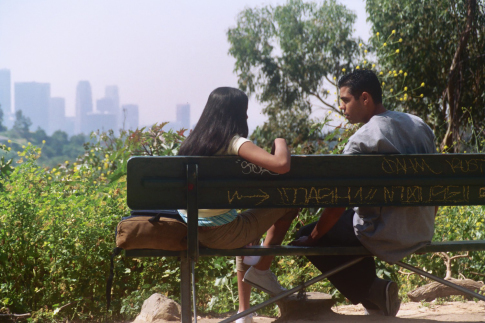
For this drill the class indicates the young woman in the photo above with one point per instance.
(222, 130)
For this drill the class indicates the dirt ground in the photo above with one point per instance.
(410, 312)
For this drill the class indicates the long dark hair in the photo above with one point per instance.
(224, 116)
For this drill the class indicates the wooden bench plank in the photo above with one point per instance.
(314, 181)
(451, 246)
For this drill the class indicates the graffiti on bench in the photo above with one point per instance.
(403, 195)
(403, 165)
(373, 195)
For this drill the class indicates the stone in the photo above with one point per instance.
(158, 309)
(312, 303)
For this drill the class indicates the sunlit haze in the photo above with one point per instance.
(158, 53)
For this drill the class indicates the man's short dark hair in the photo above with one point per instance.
(362, 81)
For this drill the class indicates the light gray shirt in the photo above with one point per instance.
(391, 233)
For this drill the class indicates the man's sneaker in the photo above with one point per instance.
(385, 294)
(264, 280)
(245, 319)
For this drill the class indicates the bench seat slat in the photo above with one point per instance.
(452, 246)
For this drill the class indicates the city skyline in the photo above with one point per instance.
(34, 101)
(158, 53)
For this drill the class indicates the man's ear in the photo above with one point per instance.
(366, 98)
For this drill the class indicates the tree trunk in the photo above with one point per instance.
(434, 290)
(451, 94)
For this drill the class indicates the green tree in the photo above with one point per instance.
(55, 144)
(290, 56)
(441, 44)
(2, 127)
(21, 126)
(75, 146)
(38, 136)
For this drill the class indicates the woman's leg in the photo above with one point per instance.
(249, 226)
(244, 291)
(275, 236)
(259, 275)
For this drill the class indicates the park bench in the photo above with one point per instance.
(225, 182)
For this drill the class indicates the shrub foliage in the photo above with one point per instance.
(57, 232)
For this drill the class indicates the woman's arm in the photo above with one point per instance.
(278, 163)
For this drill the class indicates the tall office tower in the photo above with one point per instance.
(84, 105)
(106, 105)
(5, 97)
(34, 99)
(130, 116)
(111, 92)
(70, 125)
(57, 115)
(183, 116)
(100, 121)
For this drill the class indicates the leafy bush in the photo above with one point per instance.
(57, 231)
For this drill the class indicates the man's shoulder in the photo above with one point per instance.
(402, 116)
(392, 132)
(397, 120)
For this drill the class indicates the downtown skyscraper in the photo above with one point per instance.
(84, 106)
(129, 116)
(6, 97)
(183, 116)
(33, 99)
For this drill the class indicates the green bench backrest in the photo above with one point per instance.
(315, 181)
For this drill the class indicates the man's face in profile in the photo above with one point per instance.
(354, 110)
(350, 107)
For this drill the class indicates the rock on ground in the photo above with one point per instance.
(312, 302)
(158, 309)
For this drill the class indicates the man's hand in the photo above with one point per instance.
(327, 220)
(304, 241)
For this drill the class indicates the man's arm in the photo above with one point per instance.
(327, 220)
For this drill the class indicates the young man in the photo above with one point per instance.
(390, 233)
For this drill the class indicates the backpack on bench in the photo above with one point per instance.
(152, 229)
(148, 229)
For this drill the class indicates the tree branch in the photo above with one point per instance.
(460, 256)
(407, 273)
(329, 81)
(15, 316)
(478, 274)
(325, 103)
(447, 259)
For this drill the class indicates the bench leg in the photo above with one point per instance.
(441, 280)
(194, 291)
(291, 291)
(185, 288)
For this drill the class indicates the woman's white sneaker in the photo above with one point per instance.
(264, 280)
(245, 319)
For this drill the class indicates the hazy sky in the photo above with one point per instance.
(158, 52)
